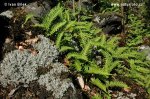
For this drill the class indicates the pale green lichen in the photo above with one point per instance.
(21, 66)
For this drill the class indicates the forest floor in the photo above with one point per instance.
(22, 41)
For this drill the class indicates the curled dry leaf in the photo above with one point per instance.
(32, 41)
(81, 81)
(66, 62)
(21, 48)
(127, 89)
(23, 44)
(28, 33)
(11, 93)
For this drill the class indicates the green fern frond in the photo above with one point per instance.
(86, 49)
(126, 55)
(96, 40)
(99, 84)
(28, 17)
(97, 96)
(70, 24)
(58, 40)
(65, 48)
(77, 65)
(114, 65)
(137, 76)
(112, 41)
(141, 63)
(77, 56)
(95, 70)
(81, 23)
(103, 39)
(84, 34)
(67, 15)
(95, 30)
(148, 90)
(116, 84)
(120, 51)
(139, 82)
(56, 27)
(39, 25)
(147, 85)
(132, 63)
(108, 60)
(51, 16)
(67, 37)
(143, 70)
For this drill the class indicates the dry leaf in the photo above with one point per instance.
(13, 91)
(127, 89)
(29, 33)
(23, 44)
(81, 81)
(32, 41)
(66, 62)
(21, 48)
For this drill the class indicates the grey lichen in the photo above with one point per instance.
(21, 66)
(146, 51)
(17, 67)
(53, 81)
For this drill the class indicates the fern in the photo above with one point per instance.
(116, 84)
(58, 40)
(27, 18)
(136, 32)
(77, 56)
(108, 60)
(86, 49)
(97, 96)
(114, 65)
(98, 83)
(56, 27)
(140, 74)
(69, 25)
(78, 65)
(50, 17)
(79, 39)
(103, 40)
(65, 48)
(95, 70)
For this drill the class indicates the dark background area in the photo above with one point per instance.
(3, 7)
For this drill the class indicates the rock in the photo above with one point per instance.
(110, 24)
(8, 14)
(146, 51)
(38, 10)
(24, 67)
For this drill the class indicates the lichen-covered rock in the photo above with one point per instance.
(52, 81)
(146, 51)
(22, 66)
